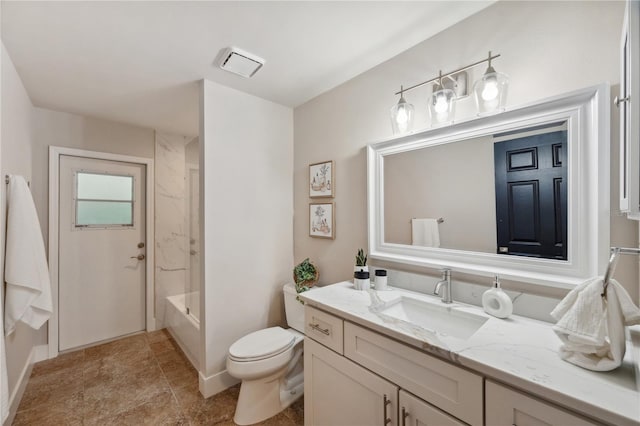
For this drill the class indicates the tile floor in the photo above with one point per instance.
(142, 379)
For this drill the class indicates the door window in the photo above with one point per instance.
(103, 200)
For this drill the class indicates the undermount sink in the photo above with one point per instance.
(443, 320)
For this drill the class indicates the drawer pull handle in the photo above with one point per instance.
(386, 402)
(317, 327)
(405, 414)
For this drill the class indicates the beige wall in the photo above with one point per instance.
(16, 148)
(247, 218)
(424, 183)
(547, 48)
(54, 128)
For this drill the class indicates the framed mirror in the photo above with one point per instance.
(523, 194)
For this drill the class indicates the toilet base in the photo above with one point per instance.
(266, 397)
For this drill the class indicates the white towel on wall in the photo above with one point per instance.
(4, 378)
(425, 232)
(592, 328)
(28, 290)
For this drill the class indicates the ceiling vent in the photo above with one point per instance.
(240, 62)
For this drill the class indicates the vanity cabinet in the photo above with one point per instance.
(452, 389)
(379, 381)
(506, 406)
(324, 328)
(415, 412)
(340, 392)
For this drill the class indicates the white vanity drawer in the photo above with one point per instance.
(323, 328)
(454, 390)
(506, 406)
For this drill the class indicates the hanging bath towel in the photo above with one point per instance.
(28, 291)
(592, 328)
(4, 379)
(425, 232)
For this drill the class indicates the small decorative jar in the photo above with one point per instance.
(361, 280)
(381, 279)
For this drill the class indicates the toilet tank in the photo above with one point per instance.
(293, 308)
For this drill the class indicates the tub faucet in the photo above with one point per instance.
(446, 282)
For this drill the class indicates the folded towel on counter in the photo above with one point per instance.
(425, 232)
(28, 291)
(591, 327)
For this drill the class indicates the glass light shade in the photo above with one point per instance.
(442, 106)
(490, 92)
(402, 117)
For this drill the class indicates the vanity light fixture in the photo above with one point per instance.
(490, 91)
(442, 103)
(402, 115)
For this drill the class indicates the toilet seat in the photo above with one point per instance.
(262, 344)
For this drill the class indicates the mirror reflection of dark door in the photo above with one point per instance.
(531, 195)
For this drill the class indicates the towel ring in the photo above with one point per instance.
(613, 261)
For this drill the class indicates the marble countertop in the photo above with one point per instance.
(518, 351)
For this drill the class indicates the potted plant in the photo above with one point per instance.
(305, 275)
(361, 261)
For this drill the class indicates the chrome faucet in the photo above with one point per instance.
(446, 282)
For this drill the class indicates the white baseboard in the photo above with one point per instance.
(40, 353)
(18, 391)
(152, 324)
(212, 385)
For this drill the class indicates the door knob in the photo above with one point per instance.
(139, 257)
(140, 245)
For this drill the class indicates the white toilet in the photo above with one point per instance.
(269, 363)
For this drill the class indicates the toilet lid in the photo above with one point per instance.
(262, 344)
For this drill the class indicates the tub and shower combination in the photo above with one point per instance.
(182, 311)
(184, 326)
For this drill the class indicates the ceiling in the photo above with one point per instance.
(139, 62)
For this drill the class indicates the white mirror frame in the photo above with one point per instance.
(587, 113)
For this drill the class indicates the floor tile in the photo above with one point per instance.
(119, 348)
(162, 409)
(113, 399)
(143, 379)
(64, 412)
(52, 388)
(158, 335)
(59, 363)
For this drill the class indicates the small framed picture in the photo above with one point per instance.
(321, 180)
(322, 222)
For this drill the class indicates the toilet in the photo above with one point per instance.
(269, 363)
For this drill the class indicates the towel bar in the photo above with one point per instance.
(439, 220)
(7, 179)
(613, 260)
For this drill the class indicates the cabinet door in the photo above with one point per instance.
(446, 386)
(505, 406)
(416, 412)
(340, 392)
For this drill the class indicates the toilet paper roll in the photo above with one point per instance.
(497, 303)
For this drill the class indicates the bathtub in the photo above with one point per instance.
(184, 328)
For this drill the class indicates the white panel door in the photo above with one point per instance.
(101, 245)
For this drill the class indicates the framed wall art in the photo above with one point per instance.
(321, 180)
(322, 222)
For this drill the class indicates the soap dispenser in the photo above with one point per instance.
(496, 302)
